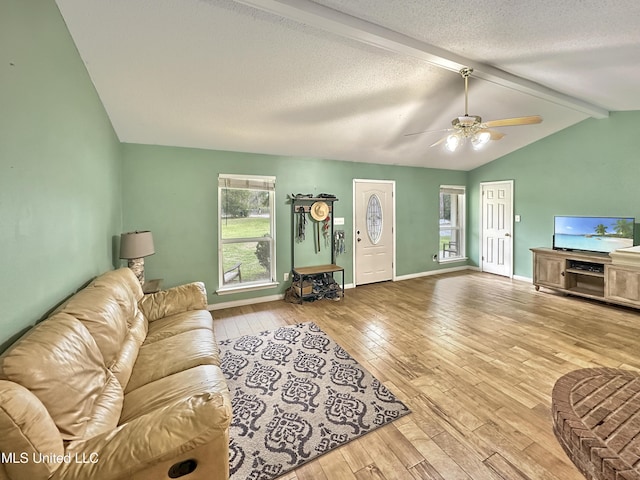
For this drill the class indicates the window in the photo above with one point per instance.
(452, 223)
(246, 235)
(374, 219)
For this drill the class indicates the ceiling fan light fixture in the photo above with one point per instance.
(452, 143)
(471, 128)
(467, 120)
(480, 139)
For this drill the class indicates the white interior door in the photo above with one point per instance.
(374, 231)
(497, 228)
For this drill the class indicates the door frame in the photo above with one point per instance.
(353, 223)
(481, 217)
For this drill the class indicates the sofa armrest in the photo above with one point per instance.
(196, 429)
(191, 296)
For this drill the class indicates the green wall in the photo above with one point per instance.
(60, 167)
(64, 179)
(591, 168)
(173, 193)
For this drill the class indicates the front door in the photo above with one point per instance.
(497, 228)
(374, 235)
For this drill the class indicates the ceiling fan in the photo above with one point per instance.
(472, 127)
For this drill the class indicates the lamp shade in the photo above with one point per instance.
(136, 244)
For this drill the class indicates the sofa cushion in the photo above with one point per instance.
(172, 355)
(104, 314)
(107, 307)
(194, 429)
(191, 296)
(123, 364)
(59, 362)
(122, 277)
(106, 409)
(27, 430)
(179, 386)
(179, 323)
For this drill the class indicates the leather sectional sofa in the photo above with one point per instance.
(117, 385)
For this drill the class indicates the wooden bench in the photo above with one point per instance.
(232, 273)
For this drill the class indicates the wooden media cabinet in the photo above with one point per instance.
(585, 274)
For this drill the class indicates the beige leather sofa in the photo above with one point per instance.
(117, 385)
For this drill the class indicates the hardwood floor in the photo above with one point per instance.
(474, 356)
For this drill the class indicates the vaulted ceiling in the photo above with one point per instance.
(348, 79)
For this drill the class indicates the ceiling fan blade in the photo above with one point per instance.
(495, 134)
(438, 142)
(512, 122)
(468, 126)
(428, 131)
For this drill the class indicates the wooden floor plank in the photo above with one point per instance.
(390, 466)
(425, 471)
(466, 458)
(474, 356)
(400, 446)
(335, 466)
(504, 469)
(356, 455)
(370, 472)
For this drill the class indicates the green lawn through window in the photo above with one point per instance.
(245, 252)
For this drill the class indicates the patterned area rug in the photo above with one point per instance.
(296, 395)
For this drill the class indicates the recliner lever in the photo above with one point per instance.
(183, 468)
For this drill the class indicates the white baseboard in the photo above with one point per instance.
(245, 301)
(523, 279)
(436, 272)
(255, 300)
(272, 298)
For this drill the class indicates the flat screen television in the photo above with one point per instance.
(592, 234)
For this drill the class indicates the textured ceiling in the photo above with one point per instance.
(347, 79)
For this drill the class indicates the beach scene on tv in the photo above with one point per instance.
(599, 234)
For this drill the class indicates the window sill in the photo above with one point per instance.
(453, 260)
(227, 290)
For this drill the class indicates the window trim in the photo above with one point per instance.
(249, 182)
(462, 225)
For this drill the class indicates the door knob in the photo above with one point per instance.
(507, 234)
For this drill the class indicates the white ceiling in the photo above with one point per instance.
(347, 79)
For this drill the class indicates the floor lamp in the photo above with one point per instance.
(134, 246)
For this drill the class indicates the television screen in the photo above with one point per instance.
(594, 234)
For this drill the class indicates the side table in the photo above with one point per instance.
(152, 286)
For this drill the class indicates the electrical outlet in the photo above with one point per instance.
(286, 276)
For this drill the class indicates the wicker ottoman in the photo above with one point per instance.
(596, 418)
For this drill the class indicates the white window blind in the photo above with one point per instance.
(247, 182)
(452, 190)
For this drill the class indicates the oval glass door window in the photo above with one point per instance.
(374, 219)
